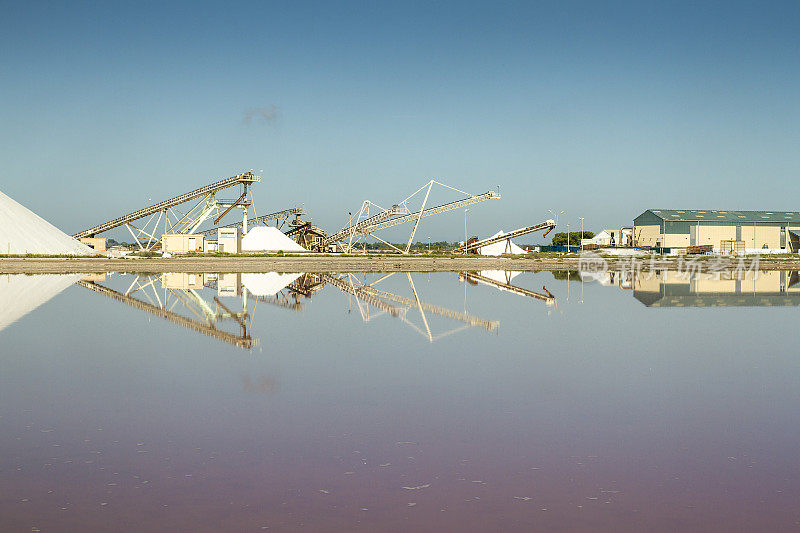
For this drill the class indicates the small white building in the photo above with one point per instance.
(182, 243)
(228, 285)
(182, 281)
(229, 240)
(609, 237)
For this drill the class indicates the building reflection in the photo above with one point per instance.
(667, 288)
(221, 306)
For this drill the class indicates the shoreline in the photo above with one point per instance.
(64, 265)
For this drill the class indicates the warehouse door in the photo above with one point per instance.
(693, 236)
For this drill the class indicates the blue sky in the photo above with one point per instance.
(599, 109)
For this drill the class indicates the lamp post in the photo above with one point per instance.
(581, 219)
(555, 215)
(568, 239)
(465, 229)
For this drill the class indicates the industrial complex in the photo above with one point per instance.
(175, 225)
(192, 223)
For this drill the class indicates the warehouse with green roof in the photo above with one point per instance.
(741, 231)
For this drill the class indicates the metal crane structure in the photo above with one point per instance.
(372, 217)
(473, 247)
(367, 294)
(147, 221)
(280, 218)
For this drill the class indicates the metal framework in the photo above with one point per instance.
(282, 216)
(372, 217)
(474, 246)
(145, 231)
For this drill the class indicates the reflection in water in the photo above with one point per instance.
(367, 294)
(20, 294)
(180, 294)
(501, 279)
(560, 423)
(719, 289)
(180, 298)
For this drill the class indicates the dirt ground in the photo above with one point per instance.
(16, 265)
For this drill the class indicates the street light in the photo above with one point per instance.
(555, 215)
(567, 240)
(581, 219)
(465, 228)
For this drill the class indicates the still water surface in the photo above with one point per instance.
(427, 402)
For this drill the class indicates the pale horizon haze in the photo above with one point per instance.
(600, 109)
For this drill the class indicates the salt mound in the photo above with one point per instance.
(499, 248)
(20, 294)
(24, 232)
(269, 239)
(268, 283)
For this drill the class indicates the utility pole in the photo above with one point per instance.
(555, 217)
(465, 228)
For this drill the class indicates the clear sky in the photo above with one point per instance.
(600, 109)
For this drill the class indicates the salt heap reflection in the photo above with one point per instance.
(20, 294)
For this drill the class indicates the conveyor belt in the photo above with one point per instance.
(358, 229)
(432, 211)
(286, 213)
(245, 178)
(510, 235)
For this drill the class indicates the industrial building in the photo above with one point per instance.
(725, 231)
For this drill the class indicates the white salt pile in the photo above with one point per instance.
(24, 232)
(268, 283)
(269, 239)
(501, 247)
(20, 294)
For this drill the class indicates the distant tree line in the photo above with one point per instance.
(560, 239)
(113, 242)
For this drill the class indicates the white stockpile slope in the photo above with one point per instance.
(24, 232)
(268, 283)
(500, 276)
(20, 294)
(499, 248)
(269, 239)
